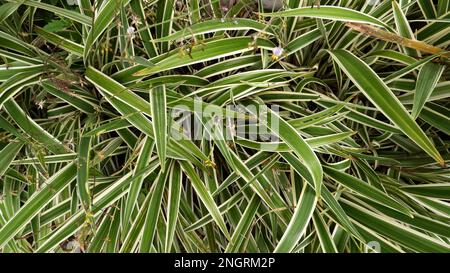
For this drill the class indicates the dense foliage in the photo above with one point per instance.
(97, 98)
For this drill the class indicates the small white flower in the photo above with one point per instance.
(130, 32)
(41, 104)
(277, 51)
(72, 2)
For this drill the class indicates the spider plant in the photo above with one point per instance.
(126, 126)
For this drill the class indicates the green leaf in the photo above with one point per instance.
(173, 205)
(201, 53)
(366, 190)
(427, 8)
(6, 9)
(216, 25)
(295, 141)
(16, 83)
(393, 230)
(164, 14)
(70, 14)
(131, 105)
(158, 109)
(7, 155)
(37, 201)
(403, 26)
(427, 80)
(331, 13)
(243, 228)
(205, 196)
(382, 97)
(153, 211)
(326, 241)
(104, 16)
(60, 41)
(340, 215)
(105, 199)
(283, 147)
(32, 129)
(56, 25)
(71, 98)
(302, 216)
(437, 115)
(135, 186)
(434, 190)
(83, 166)
(144, 31)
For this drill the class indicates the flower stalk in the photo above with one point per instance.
(394, 38)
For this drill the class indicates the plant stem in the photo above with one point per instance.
(394, 38)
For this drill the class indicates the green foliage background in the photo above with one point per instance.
(86, 92)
